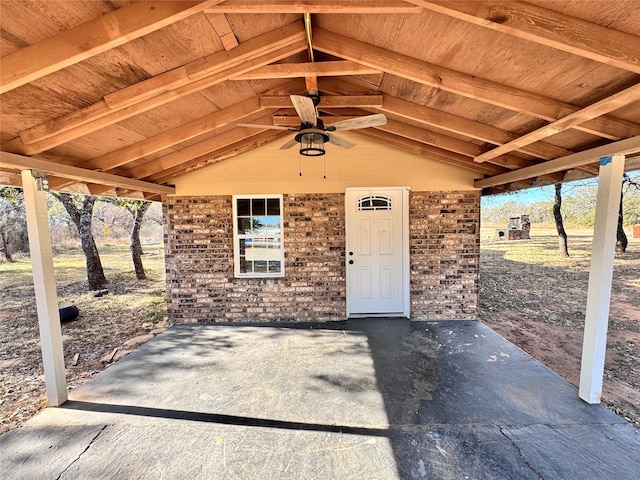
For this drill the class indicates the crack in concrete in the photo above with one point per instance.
(521, 453)
(82, 452)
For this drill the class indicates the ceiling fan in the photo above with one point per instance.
(312, 133)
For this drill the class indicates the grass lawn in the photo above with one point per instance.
(131, 308)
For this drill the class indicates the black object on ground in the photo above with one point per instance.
(68, 312)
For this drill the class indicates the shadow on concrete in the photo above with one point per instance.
(370, 398)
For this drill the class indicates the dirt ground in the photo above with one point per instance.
(107, 328)
(537, 300)
(529, 294)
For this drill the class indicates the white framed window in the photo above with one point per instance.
(258, 240)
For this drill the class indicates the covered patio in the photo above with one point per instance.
(368, 398)
(189, 103)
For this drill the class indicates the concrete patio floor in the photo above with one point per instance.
(363, 399)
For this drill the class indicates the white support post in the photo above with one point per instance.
(45, 286)
(600, 275)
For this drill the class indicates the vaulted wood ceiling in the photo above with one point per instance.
(149, 90)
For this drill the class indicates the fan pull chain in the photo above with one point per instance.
(300, 166)
(324, 167)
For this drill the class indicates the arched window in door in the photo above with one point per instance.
(375, 202)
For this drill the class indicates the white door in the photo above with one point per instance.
(377, 251)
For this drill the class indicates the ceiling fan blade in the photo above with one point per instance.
(290, 144)
(361, 122)
(270, 127)
(341, 142)
(305, 108)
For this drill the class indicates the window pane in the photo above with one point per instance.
(273, 206)
(244, 226)
(243, 205)
(260, 266)
(242, 247)
(259, 206)
(274, 267)
(272, 224)
(260, 225)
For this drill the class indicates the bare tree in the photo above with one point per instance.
(622, 242)
(137, 208)
(557, 215)
(81, 213)
(13, 225)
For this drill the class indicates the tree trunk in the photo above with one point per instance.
(6, 246)
(621, 238)
(82, 219)
(557, 215)
(134, 243)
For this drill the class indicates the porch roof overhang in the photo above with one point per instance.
(150, 90)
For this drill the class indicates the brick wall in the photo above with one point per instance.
(444, 248)
(199, 258)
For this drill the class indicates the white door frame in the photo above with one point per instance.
(406, 286)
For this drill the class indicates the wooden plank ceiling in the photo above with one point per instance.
(149, 90)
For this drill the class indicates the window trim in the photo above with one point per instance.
(237, 237)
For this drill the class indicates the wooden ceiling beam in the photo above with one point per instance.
(188, 153)
(460, 125)
(293, 121)
(209, 71)
(337, 101)
(10, 179)
(622, 147)
(223, 29)
(11, 160)
(317, 69)
(449, 122)
(239, 112)
(466, 85)
(91, 38)
(625, 97)
(445, 142)
(232, 150)
(546, 27)
(314, 6)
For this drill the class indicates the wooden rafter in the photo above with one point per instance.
(314, 6)
(13, 161)
(546, 27)
(232, 150)
(186, 154)
(335, 101)
(465, 85)
(91, 38)
(200, 74)
(214, 124)
(318, 69)
(447, 121)
(606, 105)
(621, 147)
(239, 112)
(224, 31)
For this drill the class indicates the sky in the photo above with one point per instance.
(533, 195)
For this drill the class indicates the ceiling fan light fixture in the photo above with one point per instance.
(312, 142)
